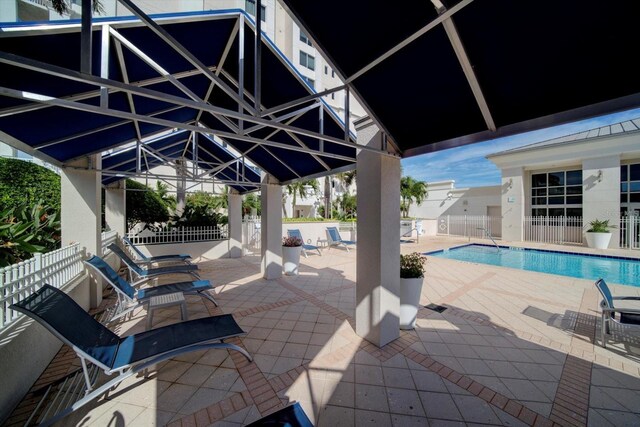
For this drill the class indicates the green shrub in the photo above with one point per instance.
(200, 211)
(25, 183)
(412, 266)
(25, 230)
(599, 226)
(144, 205)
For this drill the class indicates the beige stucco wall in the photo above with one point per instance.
(463, 201)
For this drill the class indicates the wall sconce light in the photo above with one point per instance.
(510, 183)
(599, 177)
(449, 195)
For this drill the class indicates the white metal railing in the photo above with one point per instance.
(44, 3)
(18, 281)
(180, 235)
(630, 232)
(251, 235)
(108, 237)
(553, 229)
(476, 226)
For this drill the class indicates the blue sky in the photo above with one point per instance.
(469, 168)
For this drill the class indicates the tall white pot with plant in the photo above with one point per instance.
(411, 278)
(598, 235)
(291, 248)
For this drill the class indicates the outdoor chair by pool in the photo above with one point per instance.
(305, 246)
(627, 307)
(142, 258)
(334, 239)
(100, 349)
(129, 298)
(139, 274)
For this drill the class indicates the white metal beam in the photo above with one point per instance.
(461, 53)
(30, 96)
(174, 44)
(299, 101)
(431, 25)
(125, 78)
(148, 93)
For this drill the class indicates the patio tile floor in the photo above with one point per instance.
(512, 348)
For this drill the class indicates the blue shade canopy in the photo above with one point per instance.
(174, 72)
(440, 74)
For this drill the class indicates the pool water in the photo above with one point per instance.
(625, 271)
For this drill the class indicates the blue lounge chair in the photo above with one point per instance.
(629, 316)
(334, 239)
(129, 298)
(139, 274)
(305, 246)
(142, 258)
(97, 346)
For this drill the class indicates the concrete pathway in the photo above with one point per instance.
(512, 348)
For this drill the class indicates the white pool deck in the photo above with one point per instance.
(513, 348)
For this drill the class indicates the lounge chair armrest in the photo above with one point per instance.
(627, 298)
(621, 310)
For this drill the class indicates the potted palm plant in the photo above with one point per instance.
(411, 276)
(598, 235)
(291, 247)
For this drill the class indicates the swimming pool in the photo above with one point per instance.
(613, 269)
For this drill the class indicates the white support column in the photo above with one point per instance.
(271, 228)
(81, 214)
(513, 204)
(235, 224)
(181, 185)
(378, 253)
(601, 193)
(115, 207)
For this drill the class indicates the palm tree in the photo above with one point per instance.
(300, 188)
(411, 191)
(249, 202)
(62, 6)
(162, 190)
(347, 178)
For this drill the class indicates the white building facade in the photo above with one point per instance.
(591, 175)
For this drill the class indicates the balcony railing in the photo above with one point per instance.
(18, 281)
(108, 237)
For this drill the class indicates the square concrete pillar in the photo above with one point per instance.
(271, 228)
(81, 217)
(601, 193)
(378, 253)
(115, 207)
(235, 224)
(513, 203)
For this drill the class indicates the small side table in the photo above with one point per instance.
(322, 243)
(166, 300)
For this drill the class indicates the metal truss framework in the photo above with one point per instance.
(241, 124)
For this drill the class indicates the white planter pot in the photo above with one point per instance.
(598, 240)
(410, 290)
(291, 259)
